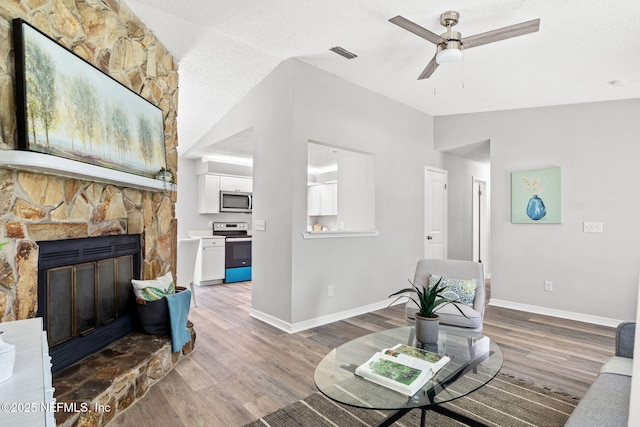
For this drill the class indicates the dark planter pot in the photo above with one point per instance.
(427, 329)
(154, 315)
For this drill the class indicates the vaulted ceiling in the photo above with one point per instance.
(585, 51)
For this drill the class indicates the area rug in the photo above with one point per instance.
(504, 402)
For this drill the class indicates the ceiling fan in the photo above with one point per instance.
(450, 44)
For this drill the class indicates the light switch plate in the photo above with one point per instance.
(592, 227)
(260, 225)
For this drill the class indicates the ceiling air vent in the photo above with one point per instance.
(343, 52)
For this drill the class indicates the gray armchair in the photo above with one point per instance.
(453, 269)
(625, 336)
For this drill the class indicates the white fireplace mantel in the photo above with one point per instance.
(59, 166)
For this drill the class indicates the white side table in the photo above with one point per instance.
(26, 396)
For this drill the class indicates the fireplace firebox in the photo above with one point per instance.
(85, 295)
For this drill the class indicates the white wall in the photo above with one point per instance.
(356, 191)
(461, 174)
(187, 201)
(297, 103)
(362, 270)
(596, 147)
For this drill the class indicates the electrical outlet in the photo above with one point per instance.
(592, 227)
(548, 285)
(210, 224)
(330, 290)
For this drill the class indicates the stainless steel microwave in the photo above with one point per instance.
(234, 201)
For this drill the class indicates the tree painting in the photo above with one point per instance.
(73, 110)
(85, 109)
(40, 72)
(119, 130)
(145, 136)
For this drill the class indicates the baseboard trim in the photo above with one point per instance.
(270, 320)
(570, 315)
(292, 328)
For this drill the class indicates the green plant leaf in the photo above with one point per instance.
(402, 291)
(429, 298)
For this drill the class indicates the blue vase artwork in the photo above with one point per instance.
(535, 208)
(536, 196)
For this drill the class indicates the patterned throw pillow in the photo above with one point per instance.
(151, 290)
(461, 290)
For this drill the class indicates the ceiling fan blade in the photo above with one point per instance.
(417, 29)
(501, 34)
(429, 69)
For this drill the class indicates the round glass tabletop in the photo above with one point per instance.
(475, 360)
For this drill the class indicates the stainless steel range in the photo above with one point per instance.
(237, 250)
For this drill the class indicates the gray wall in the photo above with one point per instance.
(596, 146)
(297, 103)
(362, 270)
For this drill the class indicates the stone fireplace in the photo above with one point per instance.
(50, 203)
(44, 205)
(84, 294)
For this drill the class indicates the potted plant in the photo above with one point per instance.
(429, 300)
(166, 175)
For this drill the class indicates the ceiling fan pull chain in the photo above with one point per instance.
(435, 85)
(463, 73)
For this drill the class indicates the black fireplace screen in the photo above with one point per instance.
(85, 295)
(82, 297)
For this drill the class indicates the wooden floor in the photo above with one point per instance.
(243, 369)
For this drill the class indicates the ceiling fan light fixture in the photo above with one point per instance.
(448, 55)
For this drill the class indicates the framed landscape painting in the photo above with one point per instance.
(535, 196)
(68, 108)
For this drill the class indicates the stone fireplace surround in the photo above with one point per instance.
(53, 203)
(122, 372)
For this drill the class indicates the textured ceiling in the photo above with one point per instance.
(226, 47)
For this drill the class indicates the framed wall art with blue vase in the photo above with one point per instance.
(535, 196)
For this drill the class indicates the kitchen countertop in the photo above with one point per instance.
(200, 233)
(209, 233)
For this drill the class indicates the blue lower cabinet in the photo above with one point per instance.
(238, 274)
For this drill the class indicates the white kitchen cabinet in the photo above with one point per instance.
(209, 268)
(208, 194)
(329, 199)
(322, 199)
(313, 200)
(236, 183)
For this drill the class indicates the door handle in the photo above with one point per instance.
(429, 238)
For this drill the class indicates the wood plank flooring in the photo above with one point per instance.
(243, 369)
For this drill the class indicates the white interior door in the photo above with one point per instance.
(435, 212)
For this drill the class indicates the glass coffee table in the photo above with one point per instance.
(475, 360)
